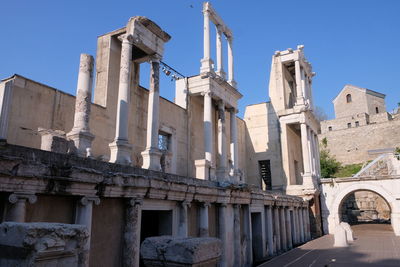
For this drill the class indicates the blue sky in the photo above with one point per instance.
(347, 42)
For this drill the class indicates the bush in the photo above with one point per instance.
(348, 170)
(329, 165)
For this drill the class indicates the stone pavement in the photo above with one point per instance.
(374, 245)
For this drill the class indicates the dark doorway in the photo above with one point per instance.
(265, 173)
(155, 223)
(256, 232)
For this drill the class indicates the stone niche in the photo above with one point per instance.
(43, 244)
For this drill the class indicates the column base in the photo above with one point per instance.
(221, 74)
(204, 169)
(206, 65)
(151, 159)
(120, 152)
(222, 175)
(232, 83)
(82, 141)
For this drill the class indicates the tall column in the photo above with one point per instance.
(206, 62)
(237, 240)
(133, 219)
(317, 155)
(152, 155)
(16, 210)
(203, 220)
(296, 225)
(270, 231)
(277, 232)
(299, 89)
(282, 221)
(183, 218)
(306, 224)
(120, 148)
(83, 215)
(231, 79)
(248, 260)
(311, 149)
(220, 60)
(288, 228)
(221, 171)
(303, 84)
(307, 179)
(80, 133)
(234, 145)
(301, 224)
(222, 234)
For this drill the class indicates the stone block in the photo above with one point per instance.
(340, 237)
(43, 244)
(181, 251)
(349, 232)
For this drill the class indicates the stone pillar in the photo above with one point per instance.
(299, 89)
(301, 224)
(303, 85)
(288, 229)
(220, 61)
(306, 224)
(237, 251)
(307, 179)
(311, 149)
(269, 231)
(248, 260)
(206, 62)
(317, 155)
(16, 210)
(277, 232)
(222, 233)
(183, 219)
(83, 215)
(133, 219)
(203, 220)
(231, 79)
(282, 221)
(152, 155)
(80, 133)
(221, 170)
(296, 226)
(234, 145)
(120, 147)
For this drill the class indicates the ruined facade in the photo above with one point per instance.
(123, 165)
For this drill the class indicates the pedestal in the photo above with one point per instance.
(120, 152)
(151, 159)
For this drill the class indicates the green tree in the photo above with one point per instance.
(329, 165)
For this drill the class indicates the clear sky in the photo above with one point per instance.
(348, 42)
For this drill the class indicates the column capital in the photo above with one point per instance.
(186, 204)
(126, 38)
(233, 110)
(208, 93)
(223, 205)
(237, 206)
(205, 204)
(156, 58)
(86, 200)
(135, 202)
(15, 197)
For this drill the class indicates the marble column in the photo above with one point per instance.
(301, 224)
(231, 78)
(306, 224)
(83, 215)
(318, 156)
(282, 221)
(133, 219)
(277, 231)
(203, 220)
(296, 225)
(307, 178)
(223, 233)
(288, 228)
(247, 238)
(234, 145)
(299, 89)
(80, 133)
(152, 155)
(183, 218)
(16, 209)
(312, 150)
(220, 61)
(206, 62)
(221, 170)
(270, 231)
(237, 236)
(303, 84)
(120, 148)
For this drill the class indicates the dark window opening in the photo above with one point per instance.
(163, 141)
(349, 125)
(377, 110)
(265, 173)
(348, 98)
(155, 223)
(330, 128)
(357, 123)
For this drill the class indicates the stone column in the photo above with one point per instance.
(80, 133)
(231, 79)
(203, 220)
(282, 221)
(318, 155)
(303, 85)
(234, 145)
(237, 251)
(270, 231)
(83, 215)
(301, 224)
(307, 179)
(299, 89)
(222, 233)
(220, 62)
(16, 210)
(288, 229)
(183, 218)
(296, 226)
(311, 149)
(206, 62)
(221, 171)
(248, 260)
(277, 232)
(306, 224)
(120, 148)
(133, 218)
(152, 155)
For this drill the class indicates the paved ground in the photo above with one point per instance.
(374, 245)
